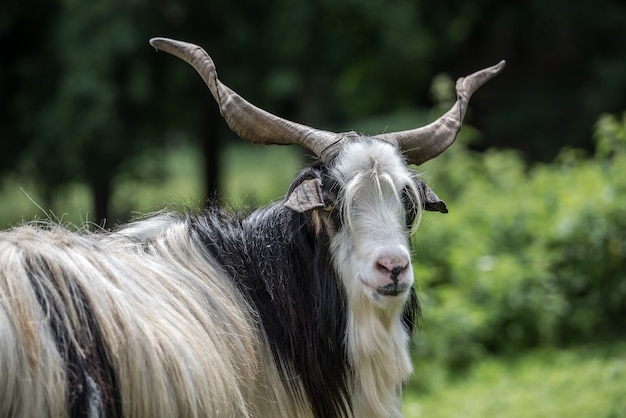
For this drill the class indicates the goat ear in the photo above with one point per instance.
(306, 196)
(430, 200)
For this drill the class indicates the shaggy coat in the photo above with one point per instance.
(211, 314)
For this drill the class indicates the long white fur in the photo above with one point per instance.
(178, 334)
(372, 174)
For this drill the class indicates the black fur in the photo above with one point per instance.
(87, 365)
(283, 267)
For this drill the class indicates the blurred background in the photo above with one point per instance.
(523, 284)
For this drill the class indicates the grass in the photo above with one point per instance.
(582, 382)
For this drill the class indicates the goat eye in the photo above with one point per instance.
(408, 202)
(410, 207)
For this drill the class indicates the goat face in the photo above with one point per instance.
(366, 201)
(377, 202)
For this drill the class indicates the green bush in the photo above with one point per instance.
(527, 256)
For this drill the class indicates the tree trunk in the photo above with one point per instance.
(101, 191)
(209, 136)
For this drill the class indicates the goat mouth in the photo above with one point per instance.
(392, 289)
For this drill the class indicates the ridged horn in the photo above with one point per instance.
(425, 143)
(246, 120)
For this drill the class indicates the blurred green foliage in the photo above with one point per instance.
(250, 178)
(528, 255)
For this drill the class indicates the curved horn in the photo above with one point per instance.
(246, 120)
(422, 144)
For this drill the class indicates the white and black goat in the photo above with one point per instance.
(304, 308)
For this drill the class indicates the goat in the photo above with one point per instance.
(303, 308)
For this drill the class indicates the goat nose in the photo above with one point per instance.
(392, 265)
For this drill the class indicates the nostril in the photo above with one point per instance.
(389, 268)
(382, 268)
